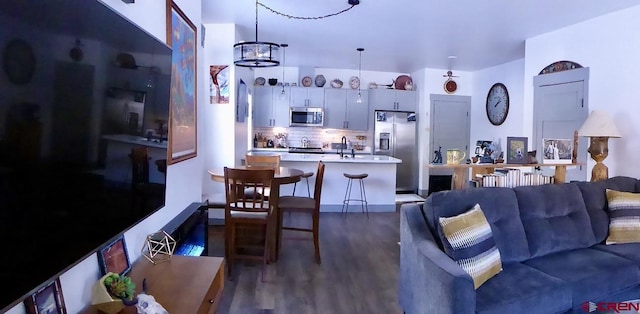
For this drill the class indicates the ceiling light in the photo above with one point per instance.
(359, 99)
(256, 53)
(283, 93)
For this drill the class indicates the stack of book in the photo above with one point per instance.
(511, 177)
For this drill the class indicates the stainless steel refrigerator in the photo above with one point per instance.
(395, 135)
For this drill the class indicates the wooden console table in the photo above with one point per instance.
(183, 284)
(460, 177)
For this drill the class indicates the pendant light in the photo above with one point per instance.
(359, 99)
(283, 94)
(259, 54)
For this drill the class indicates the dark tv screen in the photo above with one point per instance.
(80, 86)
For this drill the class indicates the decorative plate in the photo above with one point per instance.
(336, 83)
(306, 81)
(19, 62)
(402, 81)
(450, 86)
(320, 80)
(260, 81)
(354, 82)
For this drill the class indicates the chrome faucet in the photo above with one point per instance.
(343, 145)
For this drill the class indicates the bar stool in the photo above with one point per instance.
(363, 194)
(306, 176)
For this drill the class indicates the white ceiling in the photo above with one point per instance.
(405, 35)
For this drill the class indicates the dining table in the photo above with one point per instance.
(282, 175)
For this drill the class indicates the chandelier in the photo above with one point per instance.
(262, 54)
(259, 54)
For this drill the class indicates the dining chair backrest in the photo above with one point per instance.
(139, 157)
(271, 161)
(318, 186)
(239, 181)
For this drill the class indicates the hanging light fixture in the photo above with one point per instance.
(283, 94)
(259, 54)
(359, 99)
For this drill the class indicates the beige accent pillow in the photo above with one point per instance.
(624, 217)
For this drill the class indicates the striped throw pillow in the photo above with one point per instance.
(468, 240)
(624, 217)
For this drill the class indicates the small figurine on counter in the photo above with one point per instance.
(438, 156)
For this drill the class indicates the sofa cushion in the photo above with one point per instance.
(595, 200)
(522, 289)
(630, 251)
(499, 206)
(554, 218)
(468, 240)
(592, 274)
(624, 217)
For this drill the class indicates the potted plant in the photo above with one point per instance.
(113, 292)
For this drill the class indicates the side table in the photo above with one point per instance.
(183, 284)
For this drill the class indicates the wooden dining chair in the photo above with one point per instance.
(247, 209)
(266, 161)
(303, 204)
(272, 161)
(143, 191)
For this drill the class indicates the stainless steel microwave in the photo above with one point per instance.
(306, 116)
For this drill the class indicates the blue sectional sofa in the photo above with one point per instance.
(551, 240)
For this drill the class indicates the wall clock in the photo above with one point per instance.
(19, 62)
(497, 105)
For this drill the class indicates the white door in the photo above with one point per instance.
(450, 124)
(560, 109)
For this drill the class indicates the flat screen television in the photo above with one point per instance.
(63, 62)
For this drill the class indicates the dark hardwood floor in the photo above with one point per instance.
(358, 274)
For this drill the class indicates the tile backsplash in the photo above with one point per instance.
(318, 137)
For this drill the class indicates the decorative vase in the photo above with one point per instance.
(102, 300)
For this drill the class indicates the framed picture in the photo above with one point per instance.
(114, 258)
(219, 84)
(47, 300)
(517, 150)
(181, 37)
(557, 151)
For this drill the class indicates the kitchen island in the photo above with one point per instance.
(118, 164)
(380, 185)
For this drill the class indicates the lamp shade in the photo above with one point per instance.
(599, 124)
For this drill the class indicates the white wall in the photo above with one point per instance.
(609, 46)
(511, 75)
(182, 187)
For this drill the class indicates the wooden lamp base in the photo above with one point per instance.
(599, 150)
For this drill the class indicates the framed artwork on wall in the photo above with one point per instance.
(517, 150)
(47, 299)
(219, 84)
(181, 37)
(113, 257)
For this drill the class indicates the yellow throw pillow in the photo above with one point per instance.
(468, 240)
(624, 217)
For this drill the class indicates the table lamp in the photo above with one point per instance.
(599, 127)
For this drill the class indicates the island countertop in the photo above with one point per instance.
(136, 140)
(335, 158)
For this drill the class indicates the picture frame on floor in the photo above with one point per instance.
(517, 150)
(113, 257)
(47, 299)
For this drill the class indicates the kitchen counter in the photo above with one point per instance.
(134, 139)
(380, 184)
(335, 158)
(118, 164)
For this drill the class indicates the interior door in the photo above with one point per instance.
(559, 110)
(450, 124)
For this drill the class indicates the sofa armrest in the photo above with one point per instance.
(430, 281)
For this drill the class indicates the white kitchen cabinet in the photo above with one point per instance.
(343, 112)
(392, 99)
(270, 107)
(307, 97)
